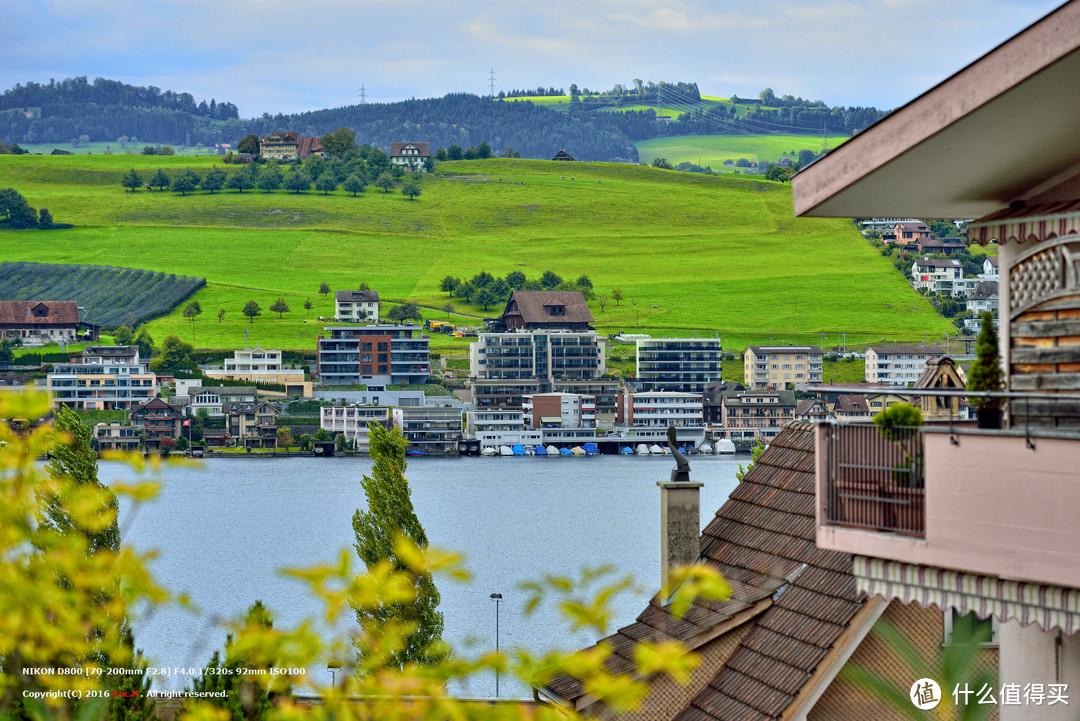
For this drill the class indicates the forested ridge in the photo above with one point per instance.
(110, 111)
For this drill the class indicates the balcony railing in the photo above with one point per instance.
(875, 479)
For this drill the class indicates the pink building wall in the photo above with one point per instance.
(993, 506)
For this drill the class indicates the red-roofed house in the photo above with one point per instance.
(37, 322)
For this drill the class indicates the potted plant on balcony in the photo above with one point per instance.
(985, 374)
(902, 493)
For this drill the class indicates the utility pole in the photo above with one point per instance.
(363, 95)
(491, 83)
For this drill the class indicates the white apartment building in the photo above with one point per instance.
(103, 378)
(660, 409)
(356, 306)
(774, 366)
(495, 427)
(352, 421)
(256, 365)
(944, 276)
(430, 430)
(898, 364)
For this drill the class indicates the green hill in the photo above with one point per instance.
(713, 150)
(690, 253)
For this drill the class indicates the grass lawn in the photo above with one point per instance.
(976, 249)
(689, 252)
(713, 150)
(562, 102)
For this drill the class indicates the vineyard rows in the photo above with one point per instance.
(111, 296)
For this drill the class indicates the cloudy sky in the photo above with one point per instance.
(284, 56)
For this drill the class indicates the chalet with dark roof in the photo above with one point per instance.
(563, 155)
(43, 321)
(251, 424)
(933, 245)
(984, 298)
(307, 147)
(158, 421)
(280, 145)
(793, 622)
(713, 401)
(356, 305)
(410, 155)
(547, 310)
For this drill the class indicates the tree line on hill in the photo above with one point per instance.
(105, 110)
(352, 173)
(486, 289)
(17, 214)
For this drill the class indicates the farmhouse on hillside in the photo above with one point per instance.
(563, 155)
(546, 310)
(37, 322)
(410, 155)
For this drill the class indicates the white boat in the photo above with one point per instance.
(488, 451)
(553, 450)
(656, 450)
(705, 447)
(725, 446)
(642, 449)
(577, 451)
(506, 451)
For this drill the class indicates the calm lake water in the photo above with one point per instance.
(223, 530)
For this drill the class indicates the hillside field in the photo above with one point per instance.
(562, 102)
(713, 150)
(690, 253)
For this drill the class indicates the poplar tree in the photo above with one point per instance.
(390, 515)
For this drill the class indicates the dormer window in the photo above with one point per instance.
(556, 309)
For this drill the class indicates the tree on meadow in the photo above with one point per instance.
(160, 180)
(131, 180)
(214, 180)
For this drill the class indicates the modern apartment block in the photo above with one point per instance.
(356, 306)
(503, 367)
(103, 378)
(980, 523)
(660, 409)
(500, 427)
(898, 364)
(260, 365)
(374, 355)
(430, 430)
(678, 364)
(559, 410)
(774, 366)
(352, 421)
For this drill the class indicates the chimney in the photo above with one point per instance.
(680, 518)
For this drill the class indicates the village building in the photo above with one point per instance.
(678, 364)
(775, 366)
(41, 322)
(159, 422)
(356, 306)
(412, 156)
(545, 310)
(898, 364)
(374, 355)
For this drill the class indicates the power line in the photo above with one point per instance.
(491, 83)
(362, 95)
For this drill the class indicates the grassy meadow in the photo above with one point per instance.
(690, 253)
(562, 102)
(100, 148)
(713, 150)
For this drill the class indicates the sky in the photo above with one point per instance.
(278, 56)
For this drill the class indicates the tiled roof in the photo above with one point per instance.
(907, 349)
(798, 598)
(735, 398)
(348, 296)
(714, 390)
(851, 404)
(984, 290)
(39, 312)
(937, 263)
(531, 306)
(306, 147)
(395, 150)
(759, 349)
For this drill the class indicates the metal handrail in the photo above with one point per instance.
(901, 391)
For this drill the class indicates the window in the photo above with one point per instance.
(959, 628)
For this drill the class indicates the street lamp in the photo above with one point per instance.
(496, 597)
(332, 667)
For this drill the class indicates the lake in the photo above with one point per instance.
(224, 529)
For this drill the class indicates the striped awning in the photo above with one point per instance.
(1030, 223)
(1048, 607)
